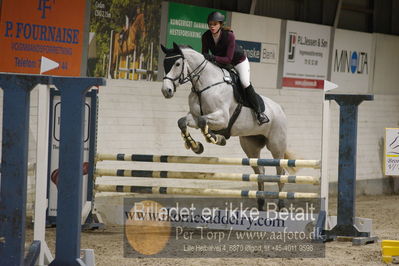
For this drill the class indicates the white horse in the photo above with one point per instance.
(212, 104)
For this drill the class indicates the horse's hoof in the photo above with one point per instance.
(222, 142)
(199, 149)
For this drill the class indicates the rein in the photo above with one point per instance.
(191, 76)
(199, 92)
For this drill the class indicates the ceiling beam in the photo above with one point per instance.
(337, 13)
(252, 9)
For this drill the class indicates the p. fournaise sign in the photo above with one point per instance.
(31, 29)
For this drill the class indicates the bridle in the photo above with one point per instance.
(190, 75)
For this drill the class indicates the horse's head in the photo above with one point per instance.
(174, 67)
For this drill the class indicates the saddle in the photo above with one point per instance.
(239, 91)
(240, 96)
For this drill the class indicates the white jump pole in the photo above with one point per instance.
(45, 256)
(325, 145)
(111, 44)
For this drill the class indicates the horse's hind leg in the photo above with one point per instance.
(252, 146)
(189, 142)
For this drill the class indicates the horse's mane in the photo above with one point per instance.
(188, 48)
(185, 46)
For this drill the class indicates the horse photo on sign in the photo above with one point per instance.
(126, 35)
(126, 42)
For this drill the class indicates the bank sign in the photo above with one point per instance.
(32, 29)
(259, 52)
(352, 63)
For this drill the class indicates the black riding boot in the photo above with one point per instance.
(251, 94)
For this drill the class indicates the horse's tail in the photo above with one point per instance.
(290, 156)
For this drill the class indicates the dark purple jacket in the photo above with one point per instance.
(225, 51)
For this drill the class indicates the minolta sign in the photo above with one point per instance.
(355, 62)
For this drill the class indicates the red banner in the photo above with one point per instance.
(303, 83)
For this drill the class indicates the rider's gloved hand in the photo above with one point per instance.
(209, 57)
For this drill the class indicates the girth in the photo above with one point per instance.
(226, 132)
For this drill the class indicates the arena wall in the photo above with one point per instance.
(134, 117)
(386, 78)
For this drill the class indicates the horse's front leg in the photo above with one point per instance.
(216, 120)
(189, 142)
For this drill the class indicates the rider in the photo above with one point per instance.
(221, 42)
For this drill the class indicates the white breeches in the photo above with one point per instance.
(244, 72)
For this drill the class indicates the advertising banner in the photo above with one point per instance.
(391, 165)
(31, 30)
(187, 23)
(258, 52)
(306, 55)
(126, 36)
(352, 62)
(54, 153)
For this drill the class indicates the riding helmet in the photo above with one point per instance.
(216, 16)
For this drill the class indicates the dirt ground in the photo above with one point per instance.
(384, 210)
